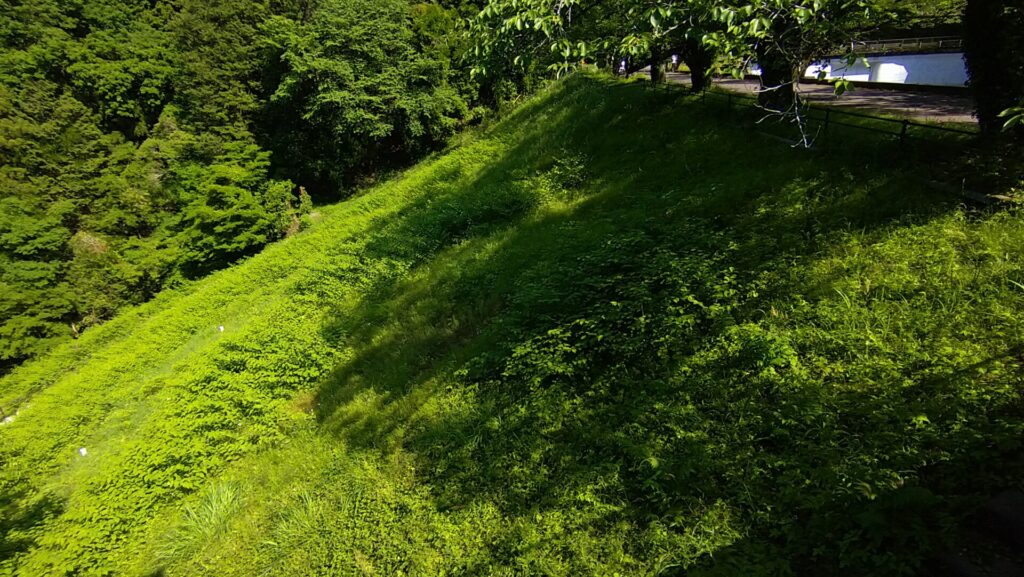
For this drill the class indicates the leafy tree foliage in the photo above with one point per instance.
(220, 62)
(53, 164)
(783, 36)
(786, 37)
(234, 208)
(920, 17)
(355, 88)
(136, 137)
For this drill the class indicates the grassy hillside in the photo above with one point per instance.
(613, 334)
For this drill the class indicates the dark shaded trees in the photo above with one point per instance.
(355, 93)
(994, 52)
(698, 58)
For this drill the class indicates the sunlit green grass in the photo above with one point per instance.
(614, 333)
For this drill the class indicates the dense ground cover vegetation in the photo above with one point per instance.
(612, 334)
(136, 137)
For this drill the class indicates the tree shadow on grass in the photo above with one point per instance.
(606, 357)
(20, 513)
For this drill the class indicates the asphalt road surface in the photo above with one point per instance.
(916, 105)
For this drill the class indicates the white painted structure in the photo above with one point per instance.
(941, 69)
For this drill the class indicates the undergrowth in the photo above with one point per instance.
(613, 334)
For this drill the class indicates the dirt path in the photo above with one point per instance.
(917, 105)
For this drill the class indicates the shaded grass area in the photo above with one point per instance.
(612, 334)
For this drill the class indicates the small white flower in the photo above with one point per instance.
(220, 328)
(82, 451)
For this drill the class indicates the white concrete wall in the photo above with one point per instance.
(946, 69)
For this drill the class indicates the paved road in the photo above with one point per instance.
(916, 105)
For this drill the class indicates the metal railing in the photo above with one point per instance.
(822, 118)
(890, 45)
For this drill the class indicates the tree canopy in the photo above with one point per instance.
(146, 143)
(782, 36)
(357, 86)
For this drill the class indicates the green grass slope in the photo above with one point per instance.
(613, 334)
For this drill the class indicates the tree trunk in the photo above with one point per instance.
(657, 72)
(698, 59)
(993, 51)
(777, 80)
